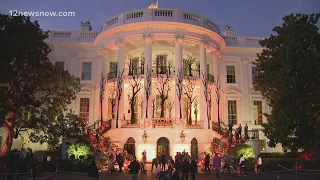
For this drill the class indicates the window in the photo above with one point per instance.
(231, 74)
(158, 107)
(84, 109)
(60, 65)
(113, 70)
(133, 69)
(263, 145)
(254, 72)
(232, 112)
(86, 71)
(257, 109)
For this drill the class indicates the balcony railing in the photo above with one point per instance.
(194, 125)
(163, 70)
(128, 124)
(163, 122)
(133, 71)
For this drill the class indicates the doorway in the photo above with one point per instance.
(194, 147)
(163, 145)
(130, 146)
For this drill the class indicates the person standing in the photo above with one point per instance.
(163, 161)
(206, 163)
(120, 161)
(228, 161)
(143, 160)
(240, 131)
(217, 164)
(93, 169)
(193, 168)
(241, 165)
(185, 169)
(111, 163)
(134, 167)
(230, 125)
(246, 133)
(259, 164)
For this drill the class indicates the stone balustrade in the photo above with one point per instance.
(89, 37)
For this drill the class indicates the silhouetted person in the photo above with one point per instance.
(206, 163)
(134, 168)
(185, 169)
(240, 131)
(120, 161)
(10, 165)
(217, 164)
(93, 169)
(154, 163)
(230, 127)
(163, 161)
(246, 135)
(228, 161)
(193, 169)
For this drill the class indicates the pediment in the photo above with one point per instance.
(87, 87)
(233, 91)
(255, 93)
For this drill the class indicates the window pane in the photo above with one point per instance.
(84, 109)
(258, 114)
(231, 74)
(232, 111)
(86, 70)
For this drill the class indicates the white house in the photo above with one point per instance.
(160, 40)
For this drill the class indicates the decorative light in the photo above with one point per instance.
(182, 137)
(144, 137)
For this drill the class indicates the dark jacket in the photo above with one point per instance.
(134, 167)
(193, 166)
(185, 167)
(207, 159)
(120, 159)
(93, 170)
(163, 158)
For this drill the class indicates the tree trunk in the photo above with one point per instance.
(190, 110)
(101, 113)
(219, 114)
(162, 107)
(118, 104)
(9, 138)
(180, 108)
(133, 118)
(147, 107)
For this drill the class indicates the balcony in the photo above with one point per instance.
(163, 122)
(163, 70)
(161, 14)
(128, 124)
(191, 72)
(194, 125)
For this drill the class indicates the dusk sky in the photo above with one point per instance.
(246, 17)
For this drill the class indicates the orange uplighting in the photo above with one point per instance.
(149, 148)
(181, 148)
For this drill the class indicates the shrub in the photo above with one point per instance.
(79, 149)
(244, 149)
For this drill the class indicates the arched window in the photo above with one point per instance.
(194, 147)
(163, 145)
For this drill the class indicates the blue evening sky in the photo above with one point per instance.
(246, 17)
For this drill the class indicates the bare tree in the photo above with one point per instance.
(179, 89)
(112, 96)
(195, 106)
(170, 105)
(217, 89)
(163, 81)
(153, 105)
(136, 86)
(141, 103)
(189, 61)
(119, 93)
(205, 82)
(147, 87)
(189, 89)
(142, 61)
(101, 97)
(210, 103)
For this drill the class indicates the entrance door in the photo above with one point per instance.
(194, 147)
(130, 146)
(163, 145)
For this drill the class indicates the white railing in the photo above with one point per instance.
(242, 41)
(173, 15)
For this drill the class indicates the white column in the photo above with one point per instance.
(121, 62)
(245, 87)
(178, 69)
(147, 65)
(203, 71)
(104, 64)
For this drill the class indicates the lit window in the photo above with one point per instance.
(257, 109)
(86, 70)
(158, 107)
(232, 112)
(113, 70)
(84, 109)
(231, 74)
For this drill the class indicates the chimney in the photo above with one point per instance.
(228, 31)
(85, 26)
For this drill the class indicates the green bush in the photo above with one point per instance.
(79, 150)
(244, 149)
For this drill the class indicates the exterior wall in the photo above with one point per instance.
(165, 33)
